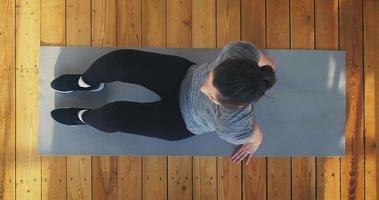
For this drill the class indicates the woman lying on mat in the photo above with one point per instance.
(195, 98)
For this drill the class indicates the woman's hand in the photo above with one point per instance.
(245, 150)
(266, 60)
(249, 148)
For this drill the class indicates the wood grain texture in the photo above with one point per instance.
(204, 36)
(205, 177)
(28, 160)
(179, 32)
(154, 177)
(78, 33)
(228, 21)
(78, 22)
(129, 16)
(27, 34)
(104, 177)
(371, 75)
(204, 23)
(129, 177)
(352, 164)
(103, 23)
(154, 27)
(278, 24)
(53, 32)
(7, 99)
(129, 34)
(278, 36)
(104, 168)
(253, 21)
(179, 173)
(254, 179)
(53, 22)
(326, 35)
(154, 35)
(302, 37)
(54, 178)
(79, 178)
(179, 23)
(302, 24)
(253, 29)
(328, 178)
(326, 24)
(228, 29)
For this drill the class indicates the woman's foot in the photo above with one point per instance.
(68, 116)
(68, 83)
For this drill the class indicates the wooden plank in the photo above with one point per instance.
(154, 23)
(204, 23)
(154, 35)
(302, 37)
(228, 29)
(54, 178)
(204, 36)
(326, 35)
(371, 75)
(228, 21)
(352, 164)
(278, 36)
(328, 178)
(179, 23)
(53, 22)
(129, 15)
(103, 23)
(79, 177)
(129, 34)
(180, 177)
(7, 99)
(28, 161)
(104, 177)
(302, 24)
(179, 31)
(129, 177)
(78, 22)
(205, 177)
(53, 32)
(27, 30)
(78, 33)
(104, 168)
(253, 28)
(326, 24)
(253, 21)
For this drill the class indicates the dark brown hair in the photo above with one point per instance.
(242, 81)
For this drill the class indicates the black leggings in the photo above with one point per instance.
(158, 72)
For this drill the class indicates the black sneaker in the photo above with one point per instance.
(67, 116)
(68, 83)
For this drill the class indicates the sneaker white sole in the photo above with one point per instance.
(101, 87)
(78, 117)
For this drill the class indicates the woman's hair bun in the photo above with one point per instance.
(268, 76)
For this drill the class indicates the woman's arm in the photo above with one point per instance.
(258, 136)
(250, 146)
(266, 60)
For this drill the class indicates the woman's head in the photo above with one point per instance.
(238, 82)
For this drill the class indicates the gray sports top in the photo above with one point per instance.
(201, 115)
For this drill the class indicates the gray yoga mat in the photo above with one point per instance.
(302, 115)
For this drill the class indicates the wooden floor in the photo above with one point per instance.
(351, 25)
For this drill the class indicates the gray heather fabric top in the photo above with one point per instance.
(201, 115)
